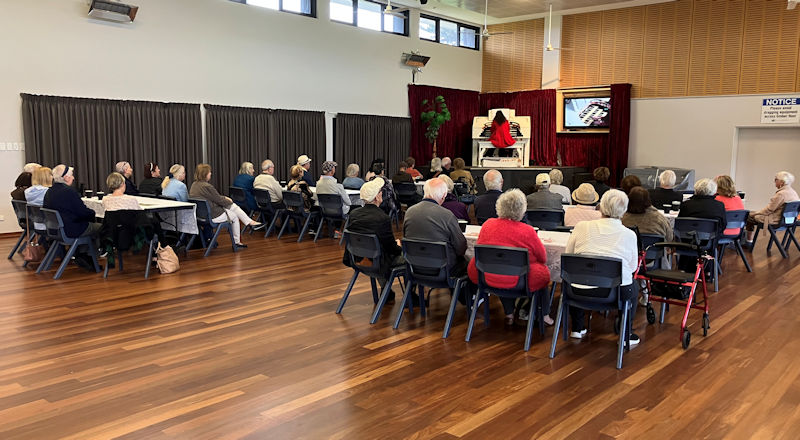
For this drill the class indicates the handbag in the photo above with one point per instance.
(33, 253)
(166, 259)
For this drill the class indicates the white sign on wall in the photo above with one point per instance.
(780, 111)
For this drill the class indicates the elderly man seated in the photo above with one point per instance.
(607, 237)
(665, 195)
(485, 203)
(543, 198)
(771, 214)
(327, 184)
(266, 180)
(372, 220)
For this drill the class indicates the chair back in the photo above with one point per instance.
(405, 189)
(294, 200)
(789, 214)
(426, 261)
(151, 195)
(20, 210)
(702, 231)
(203, 211)
(735, 220)
(331, 205)
(36, 216)
(364, 247)
(238, 195)
(502, 260)
(603, 272)
(647, 241)
(263, 200)
(54, 225)
(545, 219)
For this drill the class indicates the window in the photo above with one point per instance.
(448, 32)
(302, 7)
(368, 14)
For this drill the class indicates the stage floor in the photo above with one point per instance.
(523, 178)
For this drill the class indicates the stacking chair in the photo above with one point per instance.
(363, 248)
(788, 220)
(546, 219)
(332, 212)
(461, 189)
(733, 220)
(152, 196)
(426, 266)
(20, 210)
(606, 275)
(204, 218)
(58, 238)
(239, 197)
(35, 217)
(121, 233)
(406, 193)
(702, 232)
(508, 261)
(267, 213)
(296, 212)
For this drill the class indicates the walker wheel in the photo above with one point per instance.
(706, 324)
(687, 337)
(651, 314)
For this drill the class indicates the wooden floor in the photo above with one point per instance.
(248, 346)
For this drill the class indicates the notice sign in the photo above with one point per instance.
(780, 111)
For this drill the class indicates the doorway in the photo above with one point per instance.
(762, 152)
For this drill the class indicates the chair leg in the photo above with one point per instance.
(384, 297)
(65, 261)
(406, 300)
(773, 238)
(119, 260)
(755, 236)
(622, 335)
(283, 227)
(481, 294)
(305, 228)
(791, 239)
(663, 313)
(149, 259)
(716, 269)
(374, 285)
(347, 292)
(189, 245)
(17, 246)
(740, 251)
(452, 310)
(271, 226)
(213, 241)
(46, 258)
(557, 327)
(319, 229)
(230, 233)
(105, 268)
(93, 254)
(530, 321)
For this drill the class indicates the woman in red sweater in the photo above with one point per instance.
(726, 193)
(501, 133)
(508, 230)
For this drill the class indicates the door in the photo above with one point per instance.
(761, 153)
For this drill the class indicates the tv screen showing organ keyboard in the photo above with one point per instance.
(587, 112)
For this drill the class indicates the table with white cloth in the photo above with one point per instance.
(555, 243)
(166, 209)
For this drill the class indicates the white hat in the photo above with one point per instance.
(585, 194)
(303, 159)
(370, 189)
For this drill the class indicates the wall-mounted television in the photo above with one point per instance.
(592, 112)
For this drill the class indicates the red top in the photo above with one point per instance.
(501, 135)
(731, 204)
(414, 173)
(505, 232)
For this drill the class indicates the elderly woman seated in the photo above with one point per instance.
(703, 205)
(42, 181)
(352, 181)
(297, 184)
(726, 193)
(644, 216)
(459, 172)
(436, 168)
(173, 186)
(771, 214)
(628, 183)
(244, 180)
(607, 237)
(451, 202)
(585, 198)
(508, 230)
(117, 200)
(556, 180)
(664, 194)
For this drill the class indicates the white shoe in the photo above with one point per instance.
(579, 335)
(634, 340)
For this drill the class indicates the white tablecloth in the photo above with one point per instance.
(555, 243)
(187, 219)
(670, 217)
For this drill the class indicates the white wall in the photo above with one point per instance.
(209, 51)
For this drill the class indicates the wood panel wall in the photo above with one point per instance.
(513, 61)
(680, 48)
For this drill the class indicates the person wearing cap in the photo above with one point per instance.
(327, 184)
(305, 162)
(78, 219)
(266, 180)
(126, 170)
(585, 198)
(372, 220)
(543, 198)
(152, 179)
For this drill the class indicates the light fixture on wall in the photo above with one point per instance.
(416, 62)
(112, 11)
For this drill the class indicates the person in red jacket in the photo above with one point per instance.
(508, 230)
(501, 133)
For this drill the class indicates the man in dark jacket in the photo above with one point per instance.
(485, 203)
(126, 170)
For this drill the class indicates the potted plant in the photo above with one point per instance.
(434, 113)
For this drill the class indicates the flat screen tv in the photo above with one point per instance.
(587, 112)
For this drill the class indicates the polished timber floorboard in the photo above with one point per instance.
(247, 345)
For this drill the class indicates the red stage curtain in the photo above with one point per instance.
(618, 136)
(455, 136)
(583, 150)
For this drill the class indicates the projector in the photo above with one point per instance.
(792, 4)
(112, 11)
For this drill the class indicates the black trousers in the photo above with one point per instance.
(629, 292)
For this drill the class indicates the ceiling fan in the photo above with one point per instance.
(549, 47)
(485, 33)
(396, 12)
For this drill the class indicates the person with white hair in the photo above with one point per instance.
(327, 184)
(245, 180)
(451, 202)
(703, 204)
(607, 237)
(429, 221)
(266, 180)
(509, 230)
(436, 168)
(446, 162)
(126, 170)
(556, 180)
(543, 198)
(485, 203)
(78, 219)
(173, 184)
(30, 167)
(665, 194)
(771, 214)
(351, 179)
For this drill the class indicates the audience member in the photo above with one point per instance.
(305, 163)
(509, 230)
(600, 183)
(703, 205)
(377, 164)
(126, 170)
(402, 174)
(628, 183)
(460, 173)
(41, 181)
(78, 219)
(352, 181)
(389, 203)
(644, 216)
(297, 184)
(428, 221)
(116, 199)
(266, 180)
(585, 198)
(173, 186)
(607, 237)
(446, 162)
(436, 168)
(664, 194)
(556, 178)
(726, 193)
(372, 220)
(485, 203)
(24, 181)
(771, 214)
(543, 198)
(245, 180)
(327, 184)
(415, 174)
(30, 167)
(222, 208)
(451, 202)
(152, 180)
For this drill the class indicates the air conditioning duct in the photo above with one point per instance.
(113, 11)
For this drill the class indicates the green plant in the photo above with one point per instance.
(435, 114)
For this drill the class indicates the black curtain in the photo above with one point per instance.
(239, 134)
(362, 138)
(94, 134)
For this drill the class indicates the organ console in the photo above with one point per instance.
(484, 153)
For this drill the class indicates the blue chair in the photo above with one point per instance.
(38, 229)
(332, 211)
(55, 233)
(204, 218)
(702, 232)
(363, 248)
(788, 221)
(508, 261)
(20, 210)
(734, 220)
(267, 212)
(239, 197)
(112, 222)
(545, 219)
(407, 193)
(296, 212)
(603, 273)
(426, 266)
